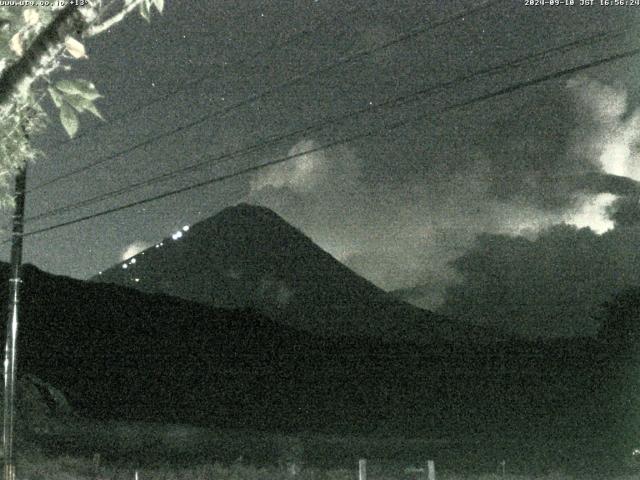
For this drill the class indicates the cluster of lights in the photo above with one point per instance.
(132, 261)
(177, 235)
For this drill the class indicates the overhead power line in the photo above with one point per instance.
(270, 91)
(551, 76)
(360, 136)
(275, 45)
(335, 120)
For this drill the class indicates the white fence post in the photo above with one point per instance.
(362, 469)
(431, 467)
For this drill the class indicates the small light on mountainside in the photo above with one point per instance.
(137, 280)
(177, 235)
(133, 260)
(124, 265)
(185, 228)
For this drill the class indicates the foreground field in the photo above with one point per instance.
(150, 444)
(67, 468)
(83, 449)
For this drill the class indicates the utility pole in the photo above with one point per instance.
(11, 331)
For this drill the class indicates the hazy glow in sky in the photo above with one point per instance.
(615, 142)
(593, 214)
(303, 174)
(133, 249)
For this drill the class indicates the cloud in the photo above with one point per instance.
(593, 213)
(385, 232)
(604, 103)
(301, 174)
(553, 282)
(601, 137)
(134, 248)
(316, 192)
(608, 139)
(563, 165)
(551, 286)
(396, 235)
(625, 211)
(560, 145)
(527, 150)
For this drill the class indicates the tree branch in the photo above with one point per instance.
(43, 50)
(101, 27)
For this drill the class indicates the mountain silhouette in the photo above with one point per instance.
(119, 353)
(249, 257)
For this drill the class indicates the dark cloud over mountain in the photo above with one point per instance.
(536, 166)
(625, 211)
(551, 286)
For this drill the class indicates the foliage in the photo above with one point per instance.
(145, 8)
(24, 115)
(73, 97)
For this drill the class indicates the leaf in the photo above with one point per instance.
(31, 16)
(15, 44)
(56, 96)
(145, 10)
(69, 119)
(84, 88)
(81, 104)
(94, 110)
(159, 4)
(75, 48)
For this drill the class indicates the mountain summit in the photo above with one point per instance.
(248, 256)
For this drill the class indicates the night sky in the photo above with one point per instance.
(459, 209)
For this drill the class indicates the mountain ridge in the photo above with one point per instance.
(248, 256)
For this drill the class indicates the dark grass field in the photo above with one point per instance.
(96, 450)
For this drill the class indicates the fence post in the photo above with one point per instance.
(96, 464)
(362, 469)
(431, 468)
